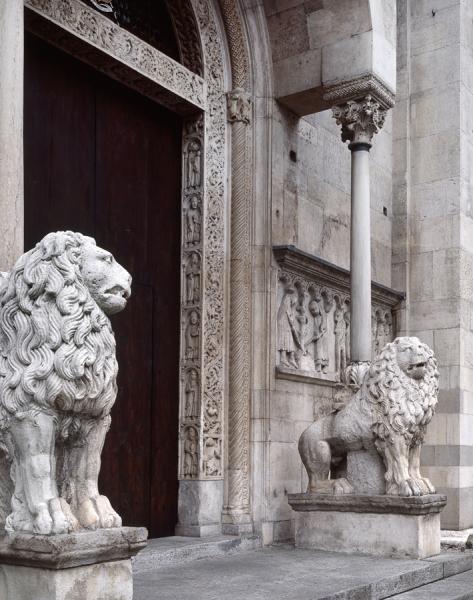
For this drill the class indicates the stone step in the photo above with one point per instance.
(166, 551)
(286, 573)
(458, 587)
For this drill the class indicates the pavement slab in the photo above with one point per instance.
(283, 573)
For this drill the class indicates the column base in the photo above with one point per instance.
(237, 522)
(199, 508)
(79, 566)
(379, 525)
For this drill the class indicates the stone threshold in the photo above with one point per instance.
(175, 550)
(282, 572)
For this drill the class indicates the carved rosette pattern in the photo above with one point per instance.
(97, 30)
(313, 328)
(360, 119)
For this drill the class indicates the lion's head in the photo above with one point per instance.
(57, 348)
(404, 374)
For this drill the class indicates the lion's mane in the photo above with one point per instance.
(401, 405)
(57, 348)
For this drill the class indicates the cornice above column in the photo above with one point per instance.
(360, 87)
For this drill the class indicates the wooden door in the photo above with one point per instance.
(103, 160)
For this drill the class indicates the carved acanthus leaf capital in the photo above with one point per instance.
(360, 119)
(239, 103)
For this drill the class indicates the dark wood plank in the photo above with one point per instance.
(105, 161)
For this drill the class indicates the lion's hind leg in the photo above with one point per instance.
(423, 483)
(316, 455)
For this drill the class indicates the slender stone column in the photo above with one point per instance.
(360, 120)
(11, 131)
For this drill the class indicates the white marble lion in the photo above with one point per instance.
(58, 381)
(390, 412)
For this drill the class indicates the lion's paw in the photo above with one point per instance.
(108, 517)
(87, 514)
(55, 517)
(341, 486)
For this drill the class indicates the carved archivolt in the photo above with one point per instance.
(313, 317)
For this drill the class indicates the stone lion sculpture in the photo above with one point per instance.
(58, 381)
(390, 412)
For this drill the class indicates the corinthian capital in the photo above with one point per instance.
(360, 119)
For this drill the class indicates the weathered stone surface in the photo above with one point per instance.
(379, 504)
(73, 549)
(387, 534)
(104, 581)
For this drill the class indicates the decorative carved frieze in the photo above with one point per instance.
(313, 317)
(360, 119)
(95, 39)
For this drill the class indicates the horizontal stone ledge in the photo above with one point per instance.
(304, 376)
(364, 503)
(72, 549)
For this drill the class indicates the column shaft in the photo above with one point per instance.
(11, 131)
(360, 256)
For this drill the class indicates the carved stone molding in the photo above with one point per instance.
(187, 33)
(358, 88)
(360, 119)
(313, 318)
(95, 39)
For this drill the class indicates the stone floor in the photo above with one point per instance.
(283, 573)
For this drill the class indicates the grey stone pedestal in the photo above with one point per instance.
(369, 524)
(89, 565)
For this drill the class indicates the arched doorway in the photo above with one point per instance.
(104, 160)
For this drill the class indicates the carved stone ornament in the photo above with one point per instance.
(96, 40)
(373, 443)
(58, 375)
(360, 119)
(239, 104)
(313, 319)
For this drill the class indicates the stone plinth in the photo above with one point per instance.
(79, 566)
(369, 524)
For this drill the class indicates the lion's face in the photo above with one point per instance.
(412, 356)
(108, 282)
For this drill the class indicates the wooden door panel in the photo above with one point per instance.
(105, 161)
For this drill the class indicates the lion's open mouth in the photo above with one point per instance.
(418, 365)
(119, 291)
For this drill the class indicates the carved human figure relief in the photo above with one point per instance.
(319, 336)
(340, 336)
(192, 336)
(288, 337)
(193, 219)
(193, 279)
(58, 373)
(388, 416)
(194, 164)
(191, 447)
(239, 106)
(192, 394)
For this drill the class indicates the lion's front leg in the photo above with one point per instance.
(398, 479)
(92, 509)
(36, 505)
(414, 470)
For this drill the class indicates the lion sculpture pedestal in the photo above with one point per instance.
(365, 491)
(58, 370)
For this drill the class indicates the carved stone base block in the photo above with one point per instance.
(80, 566)
(200, 508)
(378, 525)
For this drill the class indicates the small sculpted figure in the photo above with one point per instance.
(58, 375)
(193, 222)
(288, 336)
(192, 336)
(319, 338)
(390, 412)
(190, 453)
